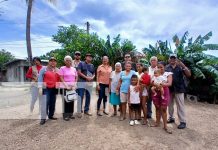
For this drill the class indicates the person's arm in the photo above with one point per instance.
(185, 69)
(29, 73)
(119, 85)
(97, 78)
(128, 95)
(80, 72)
(40, 79)
(169, 81)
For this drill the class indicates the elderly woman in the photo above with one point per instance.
(114, 79)
(161, 103)
(68, 77)
(103, 78)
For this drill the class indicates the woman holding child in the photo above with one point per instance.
(161, 101)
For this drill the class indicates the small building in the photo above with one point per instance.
(16, 70)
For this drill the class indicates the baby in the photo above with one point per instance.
(157, 81)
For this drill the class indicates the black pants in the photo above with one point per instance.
(50, 100)
(68, 108)
(102, 96)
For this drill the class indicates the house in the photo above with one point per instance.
(16, 70)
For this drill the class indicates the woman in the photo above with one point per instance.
(33, 74)
(139, 67)
(160, 103)
(114, 79)
(48, 84)
(103, 78)
(123, 86)
(68, 77)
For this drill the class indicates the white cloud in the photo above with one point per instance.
(40, 45)
(63, 7)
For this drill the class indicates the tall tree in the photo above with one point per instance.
(28, 28)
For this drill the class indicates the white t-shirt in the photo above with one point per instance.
(134, 96)
(157, 80)
(161, 78)
(151, 71)
(115, 80)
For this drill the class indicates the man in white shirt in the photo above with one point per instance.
(153, 62)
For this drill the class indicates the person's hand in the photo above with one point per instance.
(89, 78)
(136, 89)
(98, 87)
(180, 63)
(40, 91)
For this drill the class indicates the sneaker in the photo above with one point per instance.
(42, 122)
(182, 125)
(72, 117)
(131, 122)
(171, 120)
(137, 122)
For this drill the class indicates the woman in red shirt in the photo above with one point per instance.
(48, 79)
(32, 74)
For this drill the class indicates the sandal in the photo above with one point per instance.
(156, 125)
(168, 131)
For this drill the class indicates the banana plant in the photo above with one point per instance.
(202, 65)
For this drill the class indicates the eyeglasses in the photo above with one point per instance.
(78, 54)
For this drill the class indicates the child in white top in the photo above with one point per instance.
(157, 81)
(134, 101)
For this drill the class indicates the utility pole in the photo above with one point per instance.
(87, 27)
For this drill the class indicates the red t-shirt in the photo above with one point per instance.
(146, 79)
(51, 79)
(30, 71)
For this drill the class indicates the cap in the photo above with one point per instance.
(88, 54)
(173, 56)
(52, 58)
(77, 52)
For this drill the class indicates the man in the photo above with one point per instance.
(127, 58)
(177, 89)
(32, 74)
(76, 61)
(86, 72)
(151, 69)
(48, 81)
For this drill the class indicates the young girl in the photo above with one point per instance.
(134, 101)
(157, 81)
(145, 82)
(114, 79)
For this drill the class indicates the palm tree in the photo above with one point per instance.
(28, 28)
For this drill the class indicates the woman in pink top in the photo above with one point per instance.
(68, 77)
(103, 78)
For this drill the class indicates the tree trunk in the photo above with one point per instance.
(28, 38)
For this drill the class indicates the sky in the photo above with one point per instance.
(141, 21)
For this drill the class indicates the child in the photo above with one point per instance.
(145, 82)
(157, 81)
(134, 101)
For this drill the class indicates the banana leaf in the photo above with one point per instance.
(210, 46)
(197, 73)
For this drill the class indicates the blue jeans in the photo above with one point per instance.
(50, 101)
(88, 92)
(102, 96)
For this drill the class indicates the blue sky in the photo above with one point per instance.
(141, 21)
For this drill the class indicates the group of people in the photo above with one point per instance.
(129, 86)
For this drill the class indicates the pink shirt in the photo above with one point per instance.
(69, 75)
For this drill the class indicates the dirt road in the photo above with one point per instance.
(18, 132)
